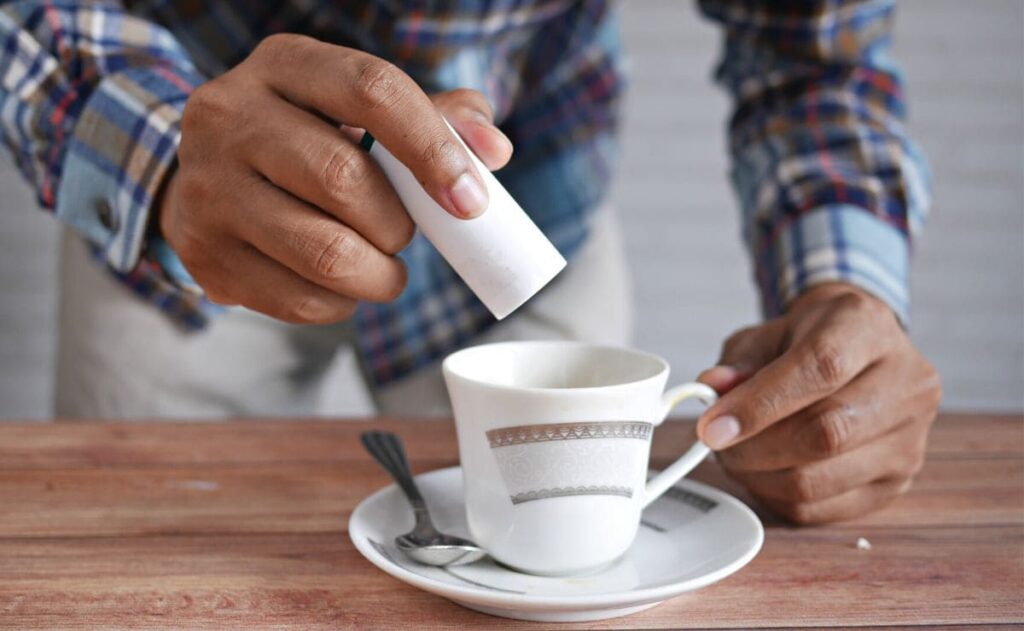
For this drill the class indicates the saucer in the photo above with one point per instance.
(691, 536)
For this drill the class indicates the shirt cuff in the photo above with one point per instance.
(834, 243)
(161, 253)
(124, 144)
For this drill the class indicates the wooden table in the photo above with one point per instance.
(242, 525)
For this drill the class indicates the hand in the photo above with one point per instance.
(275, 206)
(826, 409)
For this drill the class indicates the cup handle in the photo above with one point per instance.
(694, 455)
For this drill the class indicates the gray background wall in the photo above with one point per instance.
(964, 64)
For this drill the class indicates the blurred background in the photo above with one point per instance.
(964, 69)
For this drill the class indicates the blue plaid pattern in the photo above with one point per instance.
(91, 96)
(830, 185)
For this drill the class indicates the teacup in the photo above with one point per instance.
(554, 440)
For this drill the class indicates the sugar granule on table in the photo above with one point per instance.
(863, 544)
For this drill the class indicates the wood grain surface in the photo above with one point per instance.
(242, 525)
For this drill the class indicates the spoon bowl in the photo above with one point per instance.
(424, 543)
(441, 551)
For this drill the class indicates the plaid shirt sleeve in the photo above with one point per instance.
(830, 185)
(90, 104)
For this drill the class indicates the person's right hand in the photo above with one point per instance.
(275, 207)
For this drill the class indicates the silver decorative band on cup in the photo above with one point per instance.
(524, 434)
(543, 494)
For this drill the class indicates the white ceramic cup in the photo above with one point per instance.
(554, 439)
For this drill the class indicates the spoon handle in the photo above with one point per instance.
(386, 448)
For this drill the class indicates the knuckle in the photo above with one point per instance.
(273, 46)
(745, 344)
(736, 341)
(916, 465)
(440, 151)
(803, 484)
(933, 385)
(918, 456)
(828, 366)
(271, 43)
(867, 306)
(797, 512)
(343, 171)
(334, 257)
(855, 301)
(279, 53)
(937, 394)
(312, 310)
(377, 83)
(832, 431)
(764, 407)
(802, 514)
(207, 105)
(201, 97)
(903, 486)
(308, 310)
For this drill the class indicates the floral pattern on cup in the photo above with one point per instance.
(544, 461)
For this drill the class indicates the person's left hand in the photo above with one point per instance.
(825, 410)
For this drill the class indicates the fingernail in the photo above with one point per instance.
(724, 371)
(481, 118)
(508, 142)
(487, 123)
(721, 431)
(468, 196)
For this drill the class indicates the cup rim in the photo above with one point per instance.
(448, 370)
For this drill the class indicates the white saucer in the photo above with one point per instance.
(692, 536)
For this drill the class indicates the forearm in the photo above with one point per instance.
(831, 187)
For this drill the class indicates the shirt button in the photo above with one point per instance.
(106, 214)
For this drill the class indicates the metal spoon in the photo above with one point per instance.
(424, 543)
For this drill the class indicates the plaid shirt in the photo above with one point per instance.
(91, 96)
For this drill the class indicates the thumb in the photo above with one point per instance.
(470, 114)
